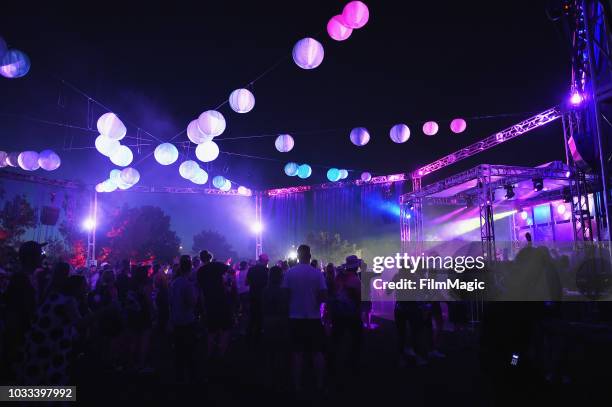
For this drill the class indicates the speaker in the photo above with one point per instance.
(49, 215)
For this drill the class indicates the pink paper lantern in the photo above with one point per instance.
(430, 128)
(337, 29)
(355, 14)
(308, 53)
(458, 126)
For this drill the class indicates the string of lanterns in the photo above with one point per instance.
(48, 160)
(13, 62)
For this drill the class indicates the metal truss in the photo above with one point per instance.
(258, 221)
(383, 179)
(184, 190)
(36, 179)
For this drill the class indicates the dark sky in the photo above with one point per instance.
(413, 61)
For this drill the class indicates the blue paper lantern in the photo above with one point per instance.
(343, 174)
(219, 181)
(291, 169)
(333, 174)
(14, 64)
(304, 171)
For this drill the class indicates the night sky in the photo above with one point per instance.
(413, 61)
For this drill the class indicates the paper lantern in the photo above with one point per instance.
(100, 187)
(244, 191)
(122, 156)
(304, 171)
(110, 186)
(115, 176)
(3, 154)
(48, 160)
(111, 126)
(14, 64)
(123, 185)
(207, 152)
(291, 169)
(337, 30)
(219, 181)
(189, 169)
(458, 126)
(130, 176)
(200, 177)
(211, 123)
(366, 176)
(430, 128)
(343, 174)
(166, 153)
(195, 135)
(360, 136)
(242, 101)
(13, 159)
(106, 146)
(284, 143)
(400, 133)
(333, 174)
(308, 53)
(226, 186)
(355, 14)
(28, 160)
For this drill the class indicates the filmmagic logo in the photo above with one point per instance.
(458, 264)
(429, 284)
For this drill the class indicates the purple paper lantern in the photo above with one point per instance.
(337, 29)
(195, 135)
(355, 14)
(284, 143)
(242, 101)
(13, 159)
(458, 125)
(14, 64)
(430, 128)
(366, 176)
(400, 133)
(28, 160)
(360, 136)
(308, 53)
(48, 160)
(3, 154)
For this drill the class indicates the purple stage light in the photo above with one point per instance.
(89, 224)
(524, 215)
(576, 99)
(256, 227)
(561, 209)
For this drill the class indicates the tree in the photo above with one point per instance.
(329, 247)
(16, 217)
(75, 208)
(215, 243)
(140, 234)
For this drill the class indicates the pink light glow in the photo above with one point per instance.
(576, 99)
(356, 14)
(337, 29)
(458, 125)
(524, 215)
(561, 209)
(430, 128)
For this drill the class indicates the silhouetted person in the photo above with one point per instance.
(257, 279)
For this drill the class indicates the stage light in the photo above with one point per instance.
(567, 174)
(89, 224)
(257, 227)
(292, 255)
(538, 184)
(524, 215)
(561, 209)
(576, 98)
(509, 192)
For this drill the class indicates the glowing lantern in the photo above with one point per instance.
(360, 136)
(242, 101)
(108, 186)
(3, 154)
(291, 169)
(219, 181)
(244, 191)
(200, 178)
(458, 126)
(355, 14)
(211, 123)
(195, 135)
(333, 174)
(13, 159)
(189, 169)
(207, 152)
(304, 171)
(284, 143)
(130, 176)
(430, 128)
(122, 156)
(115, 176)
(48, 160)
(366, 176)
(166, 153)
(343, 174)
(111, 126)
(226, 186)
(308, 53)
(106, 146)
(14, 64)
(337, 29)
(28, 160)
(400, 133)
(100, 187)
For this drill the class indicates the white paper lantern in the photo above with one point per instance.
(122, 156)
(458, 125)
(100, 187)
(242, 101)
(207, 152)
(284, 143)
(308, 53)
(360, 136)
(109, 186)
(195, 135)
(244, 191)
(355, 14)
(211, 123)
(291, 169)
(189, 169)
(430, 128)
(343, 174)
(28, 160)
(226, 186)
(366, 176)
(106, 146)
(111, 126)
(400, 133)
(115, 175)
(13, 159)
(123, 185)
(304, 171)
(166, 153)
(130, 176)
(337, 29)
(218, 181)
(3, 154)
(200, 178)
(49, 160)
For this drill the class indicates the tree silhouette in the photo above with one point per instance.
(329, 247)
(215, 243)
(16, 217)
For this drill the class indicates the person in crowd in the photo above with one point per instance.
(275, 324)
(257, 279)
(330, 282)
(315, 263)
(183, 297)
(307, 290)
(243, 295)
(162, 300)
(123, 279)
(139, 309)
(216, 303)
(366, 302)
